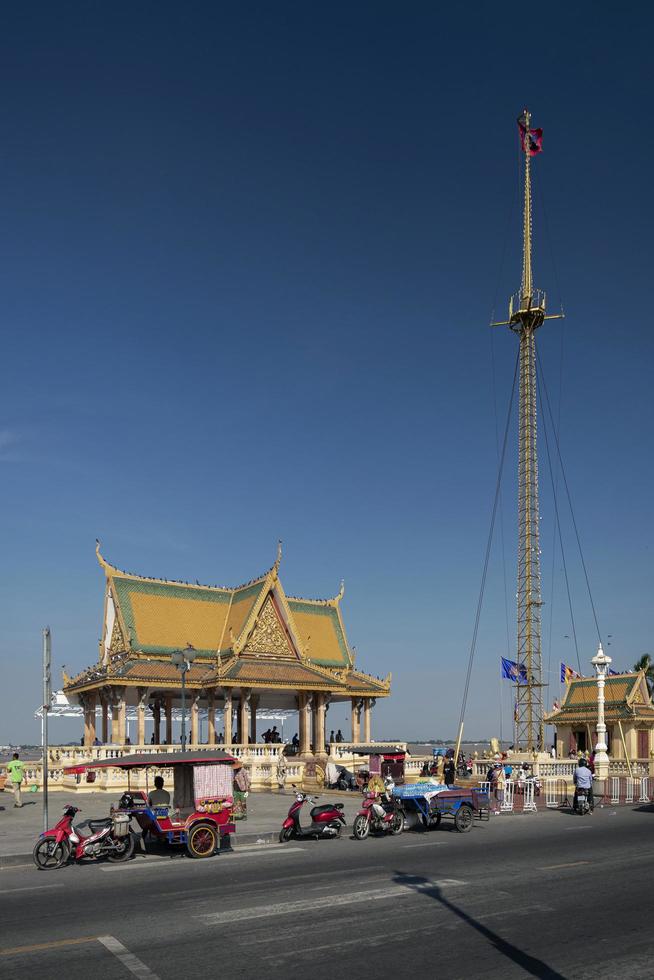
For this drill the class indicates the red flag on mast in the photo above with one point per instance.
(531, 140)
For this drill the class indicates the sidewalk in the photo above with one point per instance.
(19, 828)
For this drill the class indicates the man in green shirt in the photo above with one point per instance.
(16, 777)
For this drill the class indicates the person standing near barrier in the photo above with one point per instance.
(583, 779)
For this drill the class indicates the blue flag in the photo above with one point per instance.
(511, 671)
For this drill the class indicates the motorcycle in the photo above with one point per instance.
(582, 805)
(326, 820)
(378, 815)
(109, 837)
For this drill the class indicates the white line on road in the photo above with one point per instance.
(555, 867)
(133, 963)
(328, 902)
(159, 862)
(27, 888)
(424, 843)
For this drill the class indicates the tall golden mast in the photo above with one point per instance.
(526, 315)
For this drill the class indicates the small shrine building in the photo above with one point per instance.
(628, 711)
(254, 647)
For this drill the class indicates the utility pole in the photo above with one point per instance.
(45, 708)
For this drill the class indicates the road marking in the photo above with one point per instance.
(425, 843)
(133, 963)
(27, 888)
(332, 902)
(555, 867)
(55, 944)
(163, 862)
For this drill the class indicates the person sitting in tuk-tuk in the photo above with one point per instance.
(159, 796)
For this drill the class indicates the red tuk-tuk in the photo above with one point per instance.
(200, 816)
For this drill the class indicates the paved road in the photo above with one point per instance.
(544, 895)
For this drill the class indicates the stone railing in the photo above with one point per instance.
(261, 760)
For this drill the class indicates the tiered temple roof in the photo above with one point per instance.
(253, 635)
(626, 696)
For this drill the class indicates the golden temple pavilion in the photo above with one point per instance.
(254, 648)
(628, 711)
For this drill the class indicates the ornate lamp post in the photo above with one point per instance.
(601, 664)
(183, 659)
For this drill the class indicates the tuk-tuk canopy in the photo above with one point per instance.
(387, 752)
(158, 760)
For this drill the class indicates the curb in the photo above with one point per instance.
(265, 837)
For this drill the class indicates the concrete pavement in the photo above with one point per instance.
(541, 895)
(19, 828)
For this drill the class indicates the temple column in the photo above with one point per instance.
(356, 720)
(304, 715)
(368, 704)
(118, 716)
(318, 723)
(254, 704)
(243, 717)
(195, 714)
(227, 716)
(168, 706)
(88, 704)
(211, 719)
(141, 704)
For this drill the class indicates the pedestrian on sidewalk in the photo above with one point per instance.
(16, 777)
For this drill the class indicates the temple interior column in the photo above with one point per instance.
(356, 725)
(211, 719)
(254, 704)
(156, 717)
(227, 716)
(105, 718)
(195, 713)
(367, 712)
(168, 705)
(141, 694)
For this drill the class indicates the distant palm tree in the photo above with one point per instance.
(645, 663)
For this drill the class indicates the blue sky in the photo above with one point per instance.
(248, 257)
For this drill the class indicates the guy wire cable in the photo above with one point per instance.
(539, 376)
(488, 548)
(572, 513)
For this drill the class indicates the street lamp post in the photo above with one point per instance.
(183, 660)
(601, 664)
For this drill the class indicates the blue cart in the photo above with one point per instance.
(433, 802)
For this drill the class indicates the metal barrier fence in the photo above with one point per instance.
(506, 804)
(556, 793)
(528, 800)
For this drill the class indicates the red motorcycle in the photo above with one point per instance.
(380, 815)
(326, 820)
(108, 837)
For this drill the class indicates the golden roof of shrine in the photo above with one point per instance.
(625, 696)
(252, 634)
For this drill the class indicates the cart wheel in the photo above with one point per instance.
(463, 819)
(360, 827)
(435, 819)
(397, 826)
(48, 855)
(202, 841)
(285, 835)
(124, 849)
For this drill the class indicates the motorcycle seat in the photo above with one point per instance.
(94, 824)
(323, 808)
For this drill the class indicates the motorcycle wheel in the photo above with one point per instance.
(285, 835)
(360, 827)
(125, 849)
(48, 855)
(202, 841)
(397, 825)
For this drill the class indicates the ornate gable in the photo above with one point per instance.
(269, 635)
